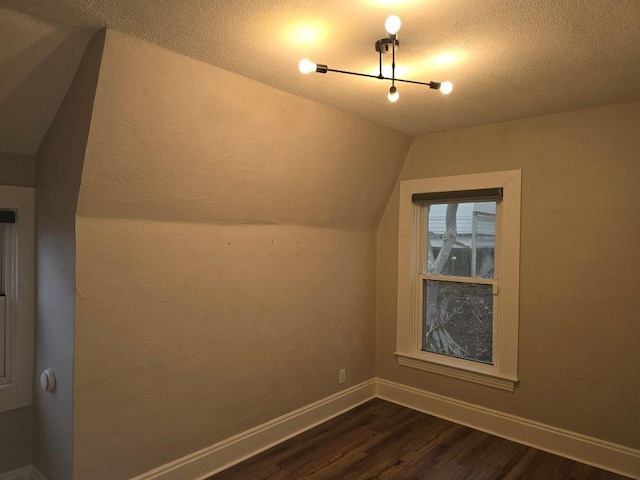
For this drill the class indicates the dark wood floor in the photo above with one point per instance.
(381, 440)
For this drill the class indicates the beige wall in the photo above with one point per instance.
(16, 439)
(16, 426)
(225, 257)
(579, 302)
(18, 170)
(224, 260)
(59, 168)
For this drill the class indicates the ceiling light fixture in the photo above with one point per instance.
(382, 46)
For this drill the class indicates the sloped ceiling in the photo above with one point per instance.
(37, 63)
(507, 58)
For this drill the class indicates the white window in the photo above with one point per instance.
(16, 296)
(458, 277)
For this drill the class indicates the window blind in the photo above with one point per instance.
(7, 216)
(485, 194)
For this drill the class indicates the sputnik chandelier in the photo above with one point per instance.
(383, 46)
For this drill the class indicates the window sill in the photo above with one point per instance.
(489, 380)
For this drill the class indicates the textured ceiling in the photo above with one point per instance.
(507, 58)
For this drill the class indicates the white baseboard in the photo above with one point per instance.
(36, 474)
(30, 472)
(217, 457)
(213, 459)
(592, 451)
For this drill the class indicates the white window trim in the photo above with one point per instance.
(503, 374)
(16, 390)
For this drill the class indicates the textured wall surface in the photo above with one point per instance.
(225, 257)
(16, 439)
(58, 172)
(177, 139)
(18, 170)
(579, 286)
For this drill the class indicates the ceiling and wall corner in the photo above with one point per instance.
(205, 147)
(37, 63)
(177, 158)
(507, 59)
(60, 160)
(18, 170)
(578, 307)
(235, 225)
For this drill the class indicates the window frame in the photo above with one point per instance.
(503, 374)
(16, 387)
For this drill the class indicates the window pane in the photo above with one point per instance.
(3, 323)
(458, 320)
(3, 326)
(461, 239)
(3, 229)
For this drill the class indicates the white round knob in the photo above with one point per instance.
(48, 380)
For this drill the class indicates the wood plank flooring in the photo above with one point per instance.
(383, 441)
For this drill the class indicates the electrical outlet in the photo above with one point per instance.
(342, 376)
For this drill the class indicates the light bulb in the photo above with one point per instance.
(393, 94)
(446, 88)
(392, 24)
(307, 66)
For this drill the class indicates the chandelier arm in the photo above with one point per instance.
(355, 73)
(428, 84)
(393, 62)
(392, 25)
(434, 85)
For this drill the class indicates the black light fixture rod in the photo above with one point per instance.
(381, 77)
(428, 84)
(382, 46)
(356, 73)
(393, 61)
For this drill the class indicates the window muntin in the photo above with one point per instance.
(496, 231)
